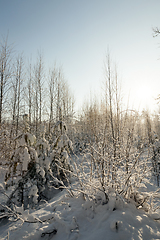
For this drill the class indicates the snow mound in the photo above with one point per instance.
(74, 218)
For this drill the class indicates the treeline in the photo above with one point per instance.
(33, 90)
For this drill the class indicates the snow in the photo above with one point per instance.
(31, 138)
(34, 192)
(22, 142)
(70, 144)
(47, 163)
(73, 218)
(60, 144)
(26, 159)
(43, 142)
(65, 154)
(1, 187)
(41, 171)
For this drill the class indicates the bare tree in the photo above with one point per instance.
(52, 85)
(156, 32)
(111, 83)
(29, 86)
(62, 96)
(59, 97)
(38, 90)
(17, 90)
(29, 93)
(5, 72)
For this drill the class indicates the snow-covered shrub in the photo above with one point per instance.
(113, 161)
(99, 180)
(42, 147)
(27, 171)
(155, 156)
(60, 150)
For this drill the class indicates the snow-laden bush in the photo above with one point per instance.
(60, 151)
(36, 167)
(113, 163)
(27, 171)
(155, 152)
(100, 180)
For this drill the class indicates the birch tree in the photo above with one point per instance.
(17, 90)
(5, 73)
(38, 89)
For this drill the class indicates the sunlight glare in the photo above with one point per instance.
(143, 97)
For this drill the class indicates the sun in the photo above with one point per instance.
(143, 94)
(143, 97)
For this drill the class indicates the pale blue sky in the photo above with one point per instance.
(77, 33)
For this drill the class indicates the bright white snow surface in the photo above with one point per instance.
(74, 218)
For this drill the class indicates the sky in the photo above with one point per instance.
(78, 34)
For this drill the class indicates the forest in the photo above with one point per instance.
(104, 154)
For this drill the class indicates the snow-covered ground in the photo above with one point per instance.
(66, 218)
(74, 218)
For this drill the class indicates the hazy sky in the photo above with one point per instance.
(77, 34)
